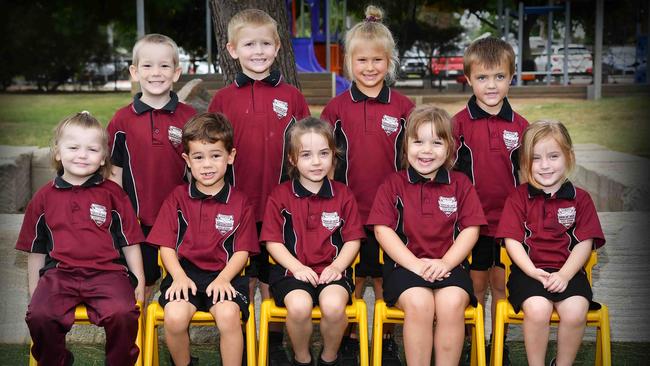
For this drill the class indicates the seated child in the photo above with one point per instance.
(205, 230)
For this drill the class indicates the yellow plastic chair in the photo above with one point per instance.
(505, 314)
(386, 314)
(156, 317)
(81, 317)
(356, 313)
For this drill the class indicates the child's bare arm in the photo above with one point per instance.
(181, 284)
(221, 286)
(520, 259)
(133, 257)
(396, 249)
(35, 261)
(282, 256)
(333, 272)
(558, 281)
(116, 175)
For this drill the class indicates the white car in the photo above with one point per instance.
(580, 60)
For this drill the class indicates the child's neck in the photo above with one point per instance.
(75, 180)
(155, 101)
(311, 186)
(372, 92)
(493, 110)
(211, 190)
(256, 76)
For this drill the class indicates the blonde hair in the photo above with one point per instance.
(306, 125)
(84, 120)
(251, 18)
(489, 52)
(208, 127)
(441, 122)
(538, 131)
(154, 38)
(371, 29)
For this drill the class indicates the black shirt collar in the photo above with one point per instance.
(358, 96)
(325, 191)
(476, 112)
(140, 107)
(94, 180)
(273, 79)
(567, 191)
(442, 176)
(221, 197)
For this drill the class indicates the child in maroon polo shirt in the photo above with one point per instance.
(368, 125)
(427, 219)
(488, 134)
(145, 138)
(262, 108)
(205, 230)
(550, 228)
(82, 237)
(312, 230)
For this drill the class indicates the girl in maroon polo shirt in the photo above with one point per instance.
(550, 228)
(427, 219)
(74, 230)
(312, 230)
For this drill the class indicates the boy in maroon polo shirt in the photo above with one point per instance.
(261, 108)
(205, 230)
(488, 134)
(550, 227)
(82, 237)
(145, 138)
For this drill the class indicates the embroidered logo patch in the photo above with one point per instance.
(98, 213)
(224, 223)
(448, 205)
(511, 139)
(389, 124)
(566, 216)
(330, 220)
(175, 135)
(280, 108)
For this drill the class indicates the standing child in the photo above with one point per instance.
(261, 108)
(81, 234)
(145, 138)
(205, 231)
(312, 230)
(427, 220)
(369, 129)
(488, 134)
(550, 228)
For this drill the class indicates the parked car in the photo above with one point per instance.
(413, 69)
(447, 67)
(620, 59)
(580, 60)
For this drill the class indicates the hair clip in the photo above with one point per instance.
(371, 18)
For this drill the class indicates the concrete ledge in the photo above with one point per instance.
(15, 177)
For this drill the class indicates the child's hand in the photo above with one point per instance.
(139, 292)
(220, 289)
(329, 274)
(434, 269)
(180, 286)
(556, 282)
(540, 275)
(306, 274)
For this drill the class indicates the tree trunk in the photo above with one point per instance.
(223, 10)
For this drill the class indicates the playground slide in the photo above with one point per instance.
(303, 49)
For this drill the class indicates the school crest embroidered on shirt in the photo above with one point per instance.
(280, 108)
(389, 124)
(448, 205)
(224, 223)
(330, 220)
(175, 135)
(566, 216)
(98, 213)
(511, 139)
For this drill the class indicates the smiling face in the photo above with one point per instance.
(549, 167)
(256, 48)
(369, 67)
(314, 161)
(426, 152)
(208, 163)
(490, 85)
(156, 72)
(81, 152)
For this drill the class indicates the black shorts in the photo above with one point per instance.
(202, 279)
(369, 265)
(259, 265)
(280, 289)
(401, 279)
(149, 259)
(521, 287)
(486, 254)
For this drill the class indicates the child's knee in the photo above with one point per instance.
(227, 316)
(298, 309)
(537, 310)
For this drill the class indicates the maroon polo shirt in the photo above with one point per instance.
(488, 153)
(146, 144)
(427, 214)
(80, 226)
(261, 113)
(369, 133)
(313, 227)
(550, 226)
(206, 230)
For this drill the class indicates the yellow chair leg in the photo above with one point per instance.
(478, 343)
(264, 333)
(362, 321)
(150, 336)
(496, 357)
(251, 336)
(377, 332)
(605, 338)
